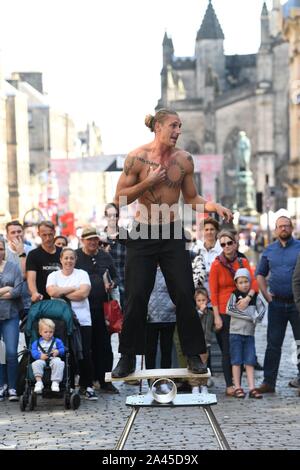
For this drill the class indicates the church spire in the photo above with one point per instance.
(168, 49)
(264, 11)
(210, 27)
(265, 26)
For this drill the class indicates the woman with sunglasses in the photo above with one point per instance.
(221, 283)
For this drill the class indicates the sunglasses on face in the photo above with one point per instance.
(230, 243)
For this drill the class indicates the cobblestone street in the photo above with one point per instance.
(270, 423)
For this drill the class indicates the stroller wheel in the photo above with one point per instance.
(67, 401)
(32, 401)
(75, 401)
(23, 402)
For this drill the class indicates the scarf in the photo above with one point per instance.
(228, 264)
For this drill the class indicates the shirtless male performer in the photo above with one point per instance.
(155, 174)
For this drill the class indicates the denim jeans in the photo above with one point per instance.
(279, 314)
(9, 331)
(242, 350)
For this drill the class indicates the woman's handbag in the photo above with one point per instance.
(113, 315)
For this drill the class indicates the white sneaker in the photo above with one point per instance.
(90, 394)
(195, 390)
(204, 390)
(12, 395)
(38, 388)
(55, 386)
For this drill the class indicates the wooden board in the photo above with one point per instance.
(158, 373)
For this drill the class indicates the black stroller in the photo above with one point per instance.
(60, 312)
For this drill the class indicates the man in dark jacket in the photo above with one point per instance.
(95, 262)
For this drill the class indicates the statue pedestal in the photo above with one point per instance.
(245, 194)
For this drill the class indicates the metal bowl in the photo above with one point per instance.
(163, 396)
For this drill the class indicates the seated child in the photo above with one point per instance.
(207, 321)
(241, 333)
(47, 348)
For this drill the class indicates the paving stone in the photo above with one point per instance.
(270, 423)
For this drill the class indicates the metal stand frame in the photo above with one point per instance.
(138, 401)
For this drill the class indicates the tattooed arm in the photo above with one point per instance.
(198, 203)
(128, 187)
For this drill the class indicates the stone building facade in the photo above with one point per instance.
(4, 199)
(17, 142)
(291, 29)
(52, 132)
(219, 95)
(32, 133)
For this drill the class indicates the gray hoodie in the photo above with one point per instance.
(243, 322)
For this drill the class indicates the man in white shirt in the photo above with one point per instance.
(210, 248)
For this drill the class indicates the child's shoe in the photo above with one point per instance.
(203, 390)
(38, 388)
(195, 389)
(55, 386)
(90, 394)
(12, 395)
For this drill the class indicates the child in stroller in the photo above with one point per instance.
(60, 313)
(46, 351)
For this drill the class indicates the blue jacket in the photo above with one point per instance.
(36, 352)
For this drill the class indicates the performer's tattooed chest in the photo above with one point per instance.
(174, 171)
(174, 174)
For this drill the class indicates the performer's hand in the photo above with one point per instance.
(156, 176)
(224, 212)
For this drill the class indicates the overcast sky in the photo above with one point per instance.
(101, 59)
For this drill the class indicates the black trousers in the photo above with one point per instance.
(164, 332)
(142, 258)
(222, 336)
(86, 364)
(102, 355)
